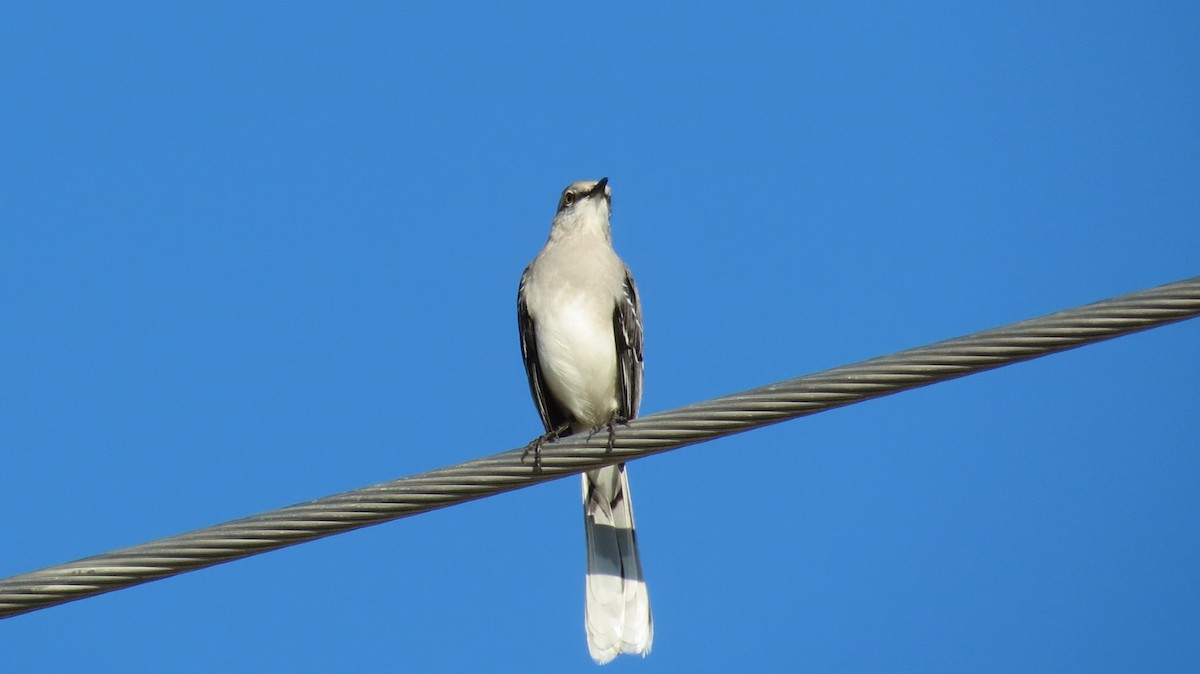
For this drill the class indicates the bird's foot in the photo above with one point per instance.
(535, 447)
(611, 427)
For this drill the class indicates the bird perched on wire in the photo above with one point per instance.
(581, 338)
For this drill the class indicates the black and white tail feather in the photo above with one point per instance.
(617, 609)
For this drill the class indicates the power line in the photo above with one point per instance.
(642, 437)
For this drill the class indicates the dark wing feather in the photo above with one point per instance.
(552, 415)
(627, 327)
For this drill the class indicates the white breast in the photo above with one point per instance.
(579, 356)
(571, 303)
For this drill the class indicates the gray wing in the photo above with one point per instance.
(627, 327)
(552, 415)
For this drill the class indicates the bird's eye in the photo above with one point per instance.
(568, 198)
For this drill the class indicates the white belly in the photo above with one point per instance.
(579, 357)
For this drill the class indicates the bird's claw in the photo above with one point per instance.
(535, 447)
(611, 427)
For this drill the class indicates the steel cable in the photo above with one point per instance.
(648, 435)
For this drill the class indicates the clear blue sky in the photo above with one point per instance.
(253, 254)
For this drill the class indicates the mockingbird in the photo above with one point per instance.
(581, 338)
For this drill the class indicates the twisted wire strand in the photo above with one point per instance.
(648, 435)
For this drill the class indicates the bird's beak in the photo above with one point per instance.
(599, 188)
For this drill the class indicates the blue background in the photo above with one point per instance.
(256, 253)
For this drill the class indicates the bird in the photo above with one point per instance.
(580, 323)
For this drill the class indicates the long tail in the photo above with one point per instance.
(617, 612)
